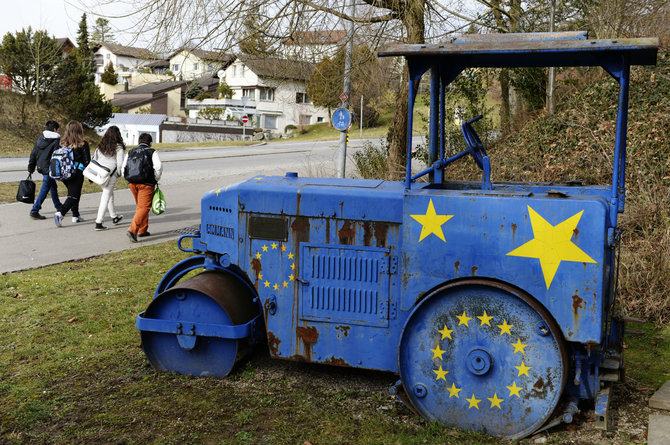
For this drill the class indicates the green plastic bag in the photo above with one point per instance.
(158, 202)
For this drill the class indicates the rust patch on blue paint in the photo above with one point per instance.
(347, 234)
(381, 232)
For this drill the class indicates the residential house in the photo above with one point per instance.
(132, 125)
(167, 97)
(191, 63)
(125, 59)
(313, 46)
(65, 44)
(273, 92)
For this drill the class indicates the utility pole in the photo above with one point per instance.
(552, 73)
(347, 91)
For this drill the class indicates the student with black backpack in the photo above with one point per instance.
(40, 157)
(142, 169)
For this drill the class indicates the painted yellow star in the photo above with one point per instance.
(274, 245)
(453, 391)
(495, 401)
(463, 319)
(258, 178)
(283, 248)
(504, 328)
(552, 244)
(265, 248)
(266, 284)
(518, 347)
(276, 286)
(440, 373)
(485, 319)
(218, 191)
(260, 276)
(284, 284)
(514, 390)
(291, 277)
(292, 266)
(446, 332)
(523, 369)
(258, 255)
(431, 222)
(290, 256)
(473, 402)
(437, 352)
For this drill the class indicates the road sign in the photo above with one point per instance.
(344, 97)
(245, 118)
(341, 119)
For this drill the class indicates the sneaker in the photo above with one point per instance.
(99, 226)
(36, 215)
(58, 219)
(77, 219)
(117, 219)
(132, 236)
(142, 235)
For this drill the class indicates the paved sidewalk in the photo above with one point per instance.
(28, 243)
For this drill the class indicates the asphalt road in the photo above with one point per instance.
(26, 243)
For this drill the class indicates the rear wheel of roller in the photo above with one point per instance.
(210, 300)
(482, 355)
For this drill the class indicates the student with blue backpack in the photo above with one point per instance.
(68, 164)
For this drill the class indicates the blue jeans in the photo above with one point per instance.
(49, 184)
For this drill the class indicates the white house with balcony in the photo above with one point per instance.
(191, 63)
(270, 91)
(125, 59)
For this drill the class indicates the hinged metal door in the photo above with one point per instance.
(345, 284)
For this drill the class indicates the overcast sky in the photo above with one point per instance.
(59, 17)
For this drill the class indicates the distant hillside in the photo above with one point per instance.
(17, 139)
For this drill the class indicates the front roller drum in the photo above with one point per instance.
(482, 355)
(201, 326)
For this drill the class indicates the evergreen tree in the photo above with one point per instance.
(109, 75)
(83, 50)
(224, 90)
(102, 32)
(77, 95)
(194, 89)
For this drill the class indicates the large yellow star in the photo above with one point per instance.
(453, 391)
(437, 352)
(495, 401)
(473, 402)
(431, 222)
(440, 373)
(514, 390)
(446, 332)
(552, 244)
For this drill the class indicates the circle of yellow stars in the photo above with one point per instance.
(291, 257)
(505, 329)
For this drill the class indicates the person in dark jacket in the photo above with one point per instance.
(40, 157)
(74, 138)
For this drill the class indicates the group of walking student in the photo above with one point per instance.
(141, 167)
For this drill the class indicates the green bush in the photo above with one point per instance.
(213, 113)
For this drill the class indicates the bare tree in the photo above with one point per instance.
(221, 24)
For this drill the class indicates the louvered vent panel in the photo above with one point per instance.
(344, 284)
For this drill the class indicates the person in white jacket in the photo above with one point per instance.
(110, 153)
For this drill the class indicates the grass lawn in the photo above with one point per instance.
(72, 371)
